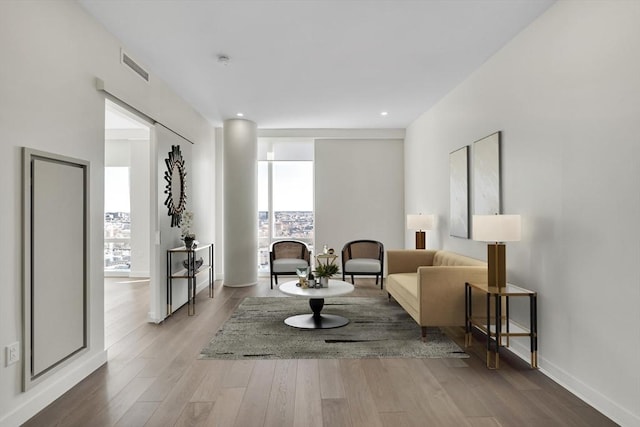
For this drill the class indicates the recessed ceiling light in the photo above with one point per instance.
(384, 113)
(240, 114)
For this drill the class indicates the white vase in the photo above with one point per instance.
(324, 282)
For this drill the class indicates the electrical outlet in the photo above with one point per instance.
(12, 353)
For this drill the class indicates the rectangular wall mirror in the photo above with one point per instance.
(56, 254)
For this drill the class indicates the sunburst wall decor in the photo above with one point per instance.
(175, 174)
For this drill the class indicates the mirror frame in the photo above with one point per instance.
(175, 203)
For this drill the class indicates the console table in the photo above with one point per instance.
(190, 274)
(497, 325)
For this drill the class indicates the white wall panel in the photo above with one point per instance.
(359, 192)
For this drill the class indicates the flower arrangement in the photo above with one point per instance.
(186, 221)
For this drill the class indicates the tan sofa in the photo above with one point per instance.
(429, 285)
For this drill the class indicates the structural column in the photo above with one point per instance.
(240, 202)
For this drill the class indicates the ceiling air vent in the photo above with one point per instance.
(134, 66)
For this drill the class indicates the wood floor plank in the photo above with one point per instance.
(483, 422)
(308, 404)
(255, 401)
(395, 419)
(280, 411)
(169, 373)
(378, 379)
(100, 398)
(71, 401)
(212, 384)
(335, 413)
(362, 405)
(239, 373)
(331, 386)
(122, 402)
(226, 408)
(194, 414)
(549, 407)
(173, 404)
(138, 414)
(460, 391)
(423, 394)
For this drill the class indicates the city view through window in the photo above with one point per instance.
(286, 187)
(297, 225)
(289, 193)
(117, 222)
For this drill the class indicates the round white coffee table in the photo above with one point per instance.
(316, 302)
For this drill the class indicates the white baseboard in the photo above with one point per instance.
(152, 318)
(46, 392)
(139, 273)
(593, 397)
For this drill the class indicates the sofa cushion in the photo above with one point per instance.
(404, 288)
(288, 265)
(445, 258)
(362, 265)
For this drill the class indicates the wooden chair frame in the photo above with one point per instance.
(287, 249)
(347, 254)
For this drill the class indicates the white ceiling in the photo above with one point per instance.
(314, 64)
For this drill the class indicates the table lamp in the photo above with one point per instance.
(420, 223)
(496, 229)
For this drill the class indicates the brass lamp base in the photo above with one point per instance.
(421, 240)
(496, 255)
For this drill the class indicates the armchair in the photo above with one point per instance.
(363, 257)
(286, 256)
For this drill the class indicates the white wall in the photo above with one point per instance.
(565, 94)
(358, 192)
(139, 187)
(48, 102)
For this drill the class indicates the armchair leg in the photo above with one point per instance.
(424, 333)
(353, 281)
(272, 281)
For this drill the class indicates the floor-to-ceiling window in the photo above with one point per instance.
(117, 219)
(126, 193)
(285, 194)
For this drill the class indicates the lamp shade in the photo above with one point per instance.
(419, 222)
(496, 228)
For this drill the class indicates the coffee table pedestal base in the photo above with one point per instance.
(316, 320)
(309, 321)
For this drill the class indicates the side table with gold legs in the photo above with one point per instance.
(493, 323)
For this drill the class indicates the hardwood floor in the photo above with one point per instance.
(153, 378)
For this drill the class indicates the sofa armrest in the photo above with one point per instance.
(441, 293)
(408, 260)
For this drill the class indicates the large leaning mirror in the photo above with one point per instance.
(175, 189)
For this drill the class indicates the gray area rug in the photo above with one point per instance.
(378, 328)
